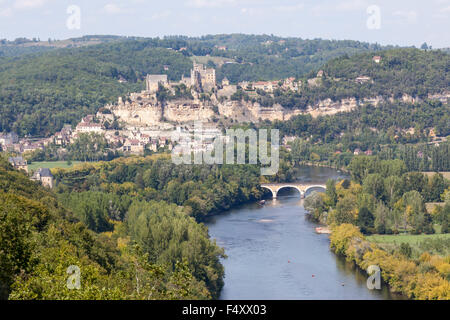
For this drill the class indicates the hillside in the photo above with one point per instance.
(40, 239)
(411, 72)
(41, 91)
(21, 46)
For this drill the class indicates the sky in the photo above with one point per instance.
(396, 22)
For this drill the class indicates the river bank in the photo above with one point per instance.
(274, 252)
(420, 280)
(323, 165)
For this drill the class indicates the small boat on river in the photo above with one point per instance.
(262, 202)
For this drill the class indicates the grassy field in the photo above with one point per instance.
(52, 164)
(433, 243)
(408, 238)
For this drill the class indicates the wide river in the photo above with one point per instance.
(274, 253)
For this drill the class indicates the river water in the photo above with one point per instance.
(274, 253)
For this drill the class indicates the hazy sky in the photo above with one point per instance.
(402, 22)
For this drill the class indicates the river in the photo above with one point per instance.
(274, 253)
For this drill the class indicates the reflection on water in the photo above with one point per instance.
(274, 253)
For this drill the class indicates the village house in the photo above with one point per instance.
(89, 128)
(7, 140)
(153, 146)
(44, 176)
(63, 137)
(376, 59)
(357, 152)
(19, 163)
(133, 146)
(266, 86)
(290, 84)
(28, 146)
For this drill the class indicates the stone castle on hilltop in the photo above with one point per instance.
(202, 79)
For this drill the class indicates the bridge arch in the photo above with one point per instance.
(301, 188)
(315, 186)
(271, 189)
(292, 187)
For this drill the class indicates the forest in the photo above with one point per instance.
(383, 197)
(158, 252)
(41, 91)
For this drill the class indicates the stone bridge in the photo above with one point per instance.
(301, 187)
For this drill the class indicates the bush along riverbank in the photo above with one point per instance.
(384, 198)
(426, 278)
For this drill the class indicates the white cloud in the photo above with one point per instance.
(112, 8)
(18, 5)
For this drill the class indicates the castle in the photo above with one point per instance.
(202, 80)
(154, 80)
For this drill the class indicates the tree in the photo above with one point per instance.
(331, 192)
(393, 189)
(365, 220)
(381, 218)
(314, 205)
(345, 210)
(436, 186)
(16, 217)
(373, 184)
(168, 235)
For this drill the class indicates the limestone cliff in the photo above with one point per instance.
(144, 110)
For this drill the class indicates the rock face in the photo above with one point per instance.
(144, 110)
(185, 111)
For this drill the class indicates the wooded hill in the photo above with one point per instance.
(42, 91)
(158, 252)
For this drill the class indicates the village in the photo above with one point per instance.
(140, 124)
(153, 134)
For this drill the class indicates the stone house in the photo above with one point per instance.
(19, 163)
(44, 176)
(133, 146)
